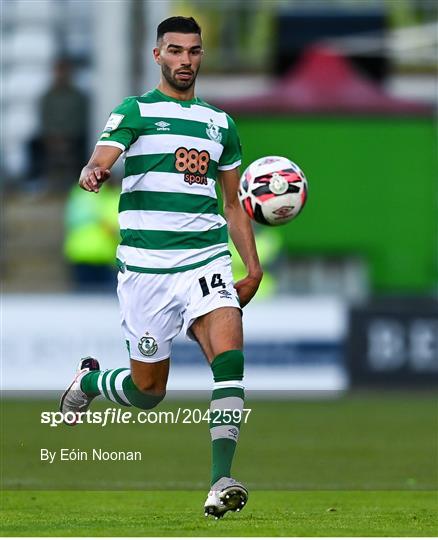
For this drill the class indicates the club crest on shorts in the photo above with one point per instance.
(147, 345)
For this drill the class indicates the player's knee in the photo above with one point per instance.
(150, 386)
(147, 395)
(151, 389)
(151, 398)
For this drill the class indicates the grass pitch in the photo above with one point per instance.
(362, 465)
(179, 513)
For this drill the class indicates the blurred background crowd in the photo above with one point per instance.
(346, 88)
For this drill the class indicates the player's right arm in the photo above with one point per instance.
(97, 170)
(117, 136)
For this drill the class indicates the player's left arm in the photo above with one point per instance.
(242, 235)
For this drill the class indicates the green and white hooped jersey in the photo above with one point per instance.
(168, 211)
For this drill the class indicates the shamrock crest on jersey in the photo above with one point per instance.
(213, 132)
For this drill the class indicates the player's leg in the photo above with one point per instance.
(143, 386)
(214, 320)
(219, 334)
(219, 331)
(150, 320)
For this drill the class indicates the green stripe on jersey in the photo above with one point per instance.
(147, 239)
(122, 267)
(159, 163)
(168, 202)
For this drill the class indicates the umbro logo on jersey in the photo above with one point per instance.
(162, 126)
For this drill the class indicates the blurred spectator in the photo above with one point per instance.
(59, 149)
(91, 237)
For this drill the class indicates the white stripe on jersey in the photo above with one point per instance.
(167, 183)
(169, 109)
(229, 167)
(111, 143)
(167, 144)
(169, 221)
(166, 258)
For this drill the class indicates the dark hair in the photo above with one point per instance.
(183, 25)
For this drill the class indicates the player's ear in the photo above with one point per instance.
(156, 53)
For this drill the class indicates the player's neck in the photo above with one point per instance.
(182, 95)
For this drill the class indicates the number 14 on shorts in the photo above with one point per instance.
(216, 281)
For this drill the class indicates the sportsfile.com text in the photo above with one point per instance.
(118, 416)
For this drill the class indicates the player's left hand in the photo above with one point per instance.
(247, 287)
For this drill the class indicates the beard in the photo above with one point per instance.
(174, 82)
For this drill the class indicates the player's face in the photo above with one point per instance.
(179, 56)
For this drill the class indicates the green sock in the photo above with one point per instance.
(226, 409)
(89, 383)
(117, 386)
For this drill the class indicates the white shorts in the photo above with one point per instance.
(155, 307)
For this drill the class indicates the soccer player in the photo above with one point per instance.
(175, 271)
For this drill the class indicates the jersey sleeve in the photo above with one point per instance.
(232, 154)
(120, 129)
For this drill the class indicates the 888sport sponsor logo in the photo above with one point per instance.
(193, 164)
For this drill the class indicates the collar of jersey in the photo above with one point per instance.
(165, 97)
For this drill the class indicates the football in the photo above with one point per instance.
(273, 190)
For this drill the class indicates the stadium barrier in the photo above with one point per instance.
(394, 342)
(291, 343)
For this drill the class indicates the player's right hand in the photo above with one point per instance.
(92, 178)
